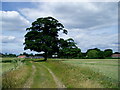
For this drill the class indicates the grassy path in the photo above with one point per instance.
(42, 77)
(58, 83)
(29, 82)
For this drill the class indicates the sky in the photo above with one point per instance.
(90, 24)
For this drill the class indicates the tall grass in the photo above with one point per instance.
(79, 77)
(11, 65)
(17, 77)
(106, 67)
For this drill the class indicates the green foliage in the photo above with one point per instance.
(95, 53)
(92, 54)
(101, 55)
(108, 52)
(43, 36)
(68, 49)
(7, 55)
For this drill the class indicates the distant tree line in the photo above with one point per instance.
(72, 51)
(7, 55)
(14, 55)
(68, 49)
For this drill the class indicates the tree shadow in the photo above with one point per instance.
(10, 61)
(46, 60)
(39, 60)
(6, 61)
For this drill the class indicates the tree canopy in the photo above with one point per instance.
(43, 36)
(95, 53)
(68, 49)
(92, 54)
(108, 52)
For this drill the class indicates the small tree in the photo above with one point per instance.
(92, 54)
(95, 53)
(68, 49)
(108, 52)
(43, 36)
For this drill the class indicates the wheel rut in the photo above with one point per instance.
(29, 82)
(57, 81)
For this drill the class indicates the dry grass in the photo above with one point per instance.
(16, 78)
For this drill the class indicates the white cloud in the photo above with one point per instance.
(13, 21)
(13, 29)
(87, 39)
(7, 39)
(75, 14)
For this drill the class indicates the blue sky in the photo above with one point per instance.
(13, 6)
(90, 24)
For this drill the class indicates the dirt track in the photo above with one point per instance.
(58, 82)
(29, 82)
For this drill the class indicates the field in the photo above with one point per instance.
(60, 73)
(107, 67)
(9, 64)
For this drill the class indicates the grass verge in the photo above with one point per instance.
(16, 78)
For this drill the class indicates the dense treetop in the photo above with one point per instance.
(43, 35)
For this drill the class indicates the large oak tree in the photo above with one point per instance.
(42, 36)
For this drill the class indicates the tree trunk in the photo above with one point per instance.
(45, 57)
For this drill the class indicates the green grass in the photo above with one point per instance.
(107, 67)
(73, 73)
(42, 78)
(8, 58)
(10, 64)
(7, 67)
(80, 77)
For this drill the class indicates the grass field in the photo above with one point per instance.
(63, 73)
(6, 67)
(107, 67)
(9, 64)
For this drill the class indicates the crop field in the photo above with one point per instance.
(107, 67)
(61, 73)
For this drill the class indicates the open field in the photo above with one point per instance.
(63, 73)
(107, 67)
(9, 59)
(6, 67)
(8, 64)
